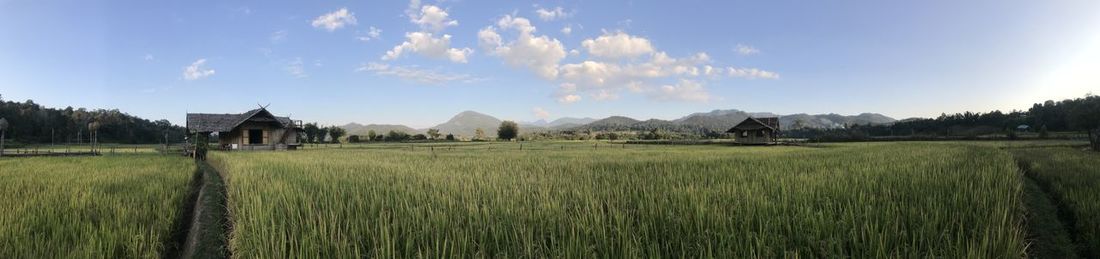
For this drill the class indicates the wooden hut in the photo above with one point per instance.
(756, 131)
(253, 130)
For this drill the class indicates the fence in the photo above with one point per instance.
(87, 150)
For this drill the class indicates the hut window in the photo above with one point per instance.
(255, 136)
(744, 133)
(760, 133)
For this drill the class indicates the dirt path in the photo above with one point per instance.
(203, 229)
(1049, 224)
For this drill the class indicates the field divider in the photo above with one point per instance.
(203, 230)
(1050, 223)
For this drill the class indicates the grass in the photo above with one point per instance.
(578, 200)
(90, 207)
(1071, 177)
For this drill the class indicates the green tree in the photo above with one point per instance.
(433, 133)
(336, 132)
(1043, 132)
(322, 132)
(397, 136)
(311, 131)
(508, 130)
(371, 135)
(450, 137)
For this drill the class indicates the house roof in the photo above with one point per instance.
(212, 122)
(751, 123)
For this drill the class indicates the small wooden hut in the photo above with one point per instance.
(756, 131)
(253, 130)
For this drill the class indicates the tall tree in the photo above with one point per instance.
(311, 131)
(433, 133)
(322, 134)
(371, 135)
(336, 132)
(508, 130)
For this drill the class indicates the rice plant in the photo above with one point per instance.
(1072, 177)
(856, 200)
(90, 207)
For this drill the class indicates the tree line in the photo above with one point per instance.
(1070, 115)
(508, 130)
(29, 122)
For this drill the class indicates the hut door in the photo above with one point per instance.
(255, 136)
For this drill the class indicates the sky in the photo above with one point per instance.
(420, 62)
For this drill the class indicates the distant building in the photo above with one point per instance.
(757, 131)
(1023, 128)
(253, 130)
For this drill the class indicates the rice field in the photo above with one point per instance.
(568, 200)
(1072, 177)
(90, 207)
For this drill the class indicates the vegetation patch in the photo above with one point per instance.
(90, 207)
(857, 200)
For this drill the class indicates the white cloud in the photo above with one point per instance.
(540, 113)
(605, 95)
(433, 18)
(569, 98)
(685, 90)
(617, 45)
(425, 44)
(415, 74)
(591, 73)
(335, 20)
(567, 30)
(566, 93)
(751, 73)
(278, 36)
(373, 33)
(148, 57)
(552, 14)
(197, 70)
(745, 50)
(540, 54)
(296, 68)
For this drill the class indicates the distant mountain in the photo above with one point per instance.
(360, 129)
(831, 120)
(725, 119)
(466, 123)
(611, 123)
(717, 120)
(568, 121)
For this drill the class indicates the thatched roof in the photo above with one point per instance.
(212, 122)
(751, 123)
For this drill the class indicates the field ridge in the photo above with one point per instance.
(206, 223)
(1065, 235)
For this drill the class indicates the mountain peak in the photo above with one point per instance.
(467, 122)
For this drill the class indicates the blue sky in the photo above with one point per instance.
(418, 63)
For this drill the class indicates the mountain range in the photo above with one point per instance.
(466, 123)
